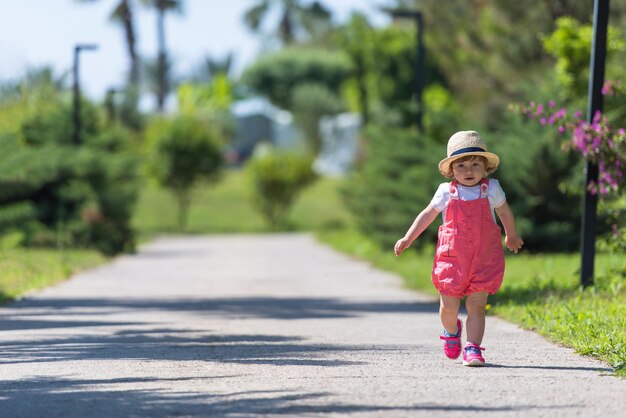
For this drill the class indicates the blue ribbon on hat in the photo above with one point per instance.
(466, 150)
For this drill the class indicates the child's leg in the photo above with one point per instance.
(475, 324)
(448, 312)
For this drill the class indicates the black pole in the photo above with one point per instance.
(594, 104)
(76, 91)
(419, 21)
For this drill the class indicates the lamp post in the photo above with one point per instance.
(594, 104)
(76, 111)
(419, 63)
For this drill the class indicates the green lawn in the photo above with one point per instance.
(226, 207)
(24, 270)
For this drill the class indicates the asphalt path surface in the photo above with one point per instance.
(270, 325)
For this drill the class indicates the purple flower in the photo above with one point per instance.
(539, 109)
(597, 116)
(551, 103)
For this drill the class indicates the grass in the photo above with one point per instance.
(25, 270)
(226, 208)
(540, 292)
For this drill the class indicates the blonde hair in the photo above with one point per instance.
(488, 169)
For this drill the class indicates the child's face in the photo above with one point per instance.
(469, 172)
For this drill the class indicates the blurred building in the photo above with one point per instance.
(340, 136)
(258, 122)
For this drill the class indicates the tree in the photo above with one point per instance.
(303, 81)
(123, 14)
(276, 75)
(570, 44)
(182, 151)
(163, 65)
(356, 39)
(398, 177)
(489, 50)
(295, 18)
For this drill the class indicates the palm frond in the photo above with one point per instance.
(254, 16)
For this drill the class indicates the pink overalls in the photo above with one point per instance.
(469, 257)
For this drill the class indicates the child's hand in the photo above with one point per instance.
(513, 243)
(401, 245)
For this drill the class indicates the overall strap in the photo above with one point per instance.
(451, 211)
(454, 190)
(484, 188)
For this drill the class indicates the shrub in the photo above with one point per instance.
(277, 180)
(397, 180)
(47, 183)
(182, 151)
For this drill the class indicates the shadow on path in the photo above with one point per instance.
(133, 341)
(31, 397)
(261, 307)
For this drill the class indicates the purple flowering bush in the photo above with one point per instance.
(600, 142)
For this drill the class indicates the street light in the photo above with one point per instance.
(594, 104)
(76, 114)
(419, 63)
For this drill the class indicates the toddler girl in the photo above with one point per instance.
(469, 261)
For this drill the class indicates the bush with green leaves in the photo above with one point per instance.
(396, 181)
(181, 152)
(277, 179)
(60, 193)
(543, 185)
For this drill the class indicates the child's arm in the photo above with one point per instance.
(512, 241)
(425, 218)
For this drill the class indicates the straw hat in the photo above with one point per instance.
(464, 144)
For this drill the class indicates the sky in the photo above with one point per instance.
(34, 33)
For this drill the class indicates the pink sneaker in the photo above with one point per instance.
(452, 344)
(472, 355)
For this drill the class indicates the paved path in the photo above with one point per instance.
(249, 326)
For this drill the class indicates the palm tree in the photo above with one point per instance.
(162, 67)
(123, 15)
(210, 66)
(295, 18)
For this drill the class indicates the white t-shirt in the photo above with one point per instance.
(495, 194)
